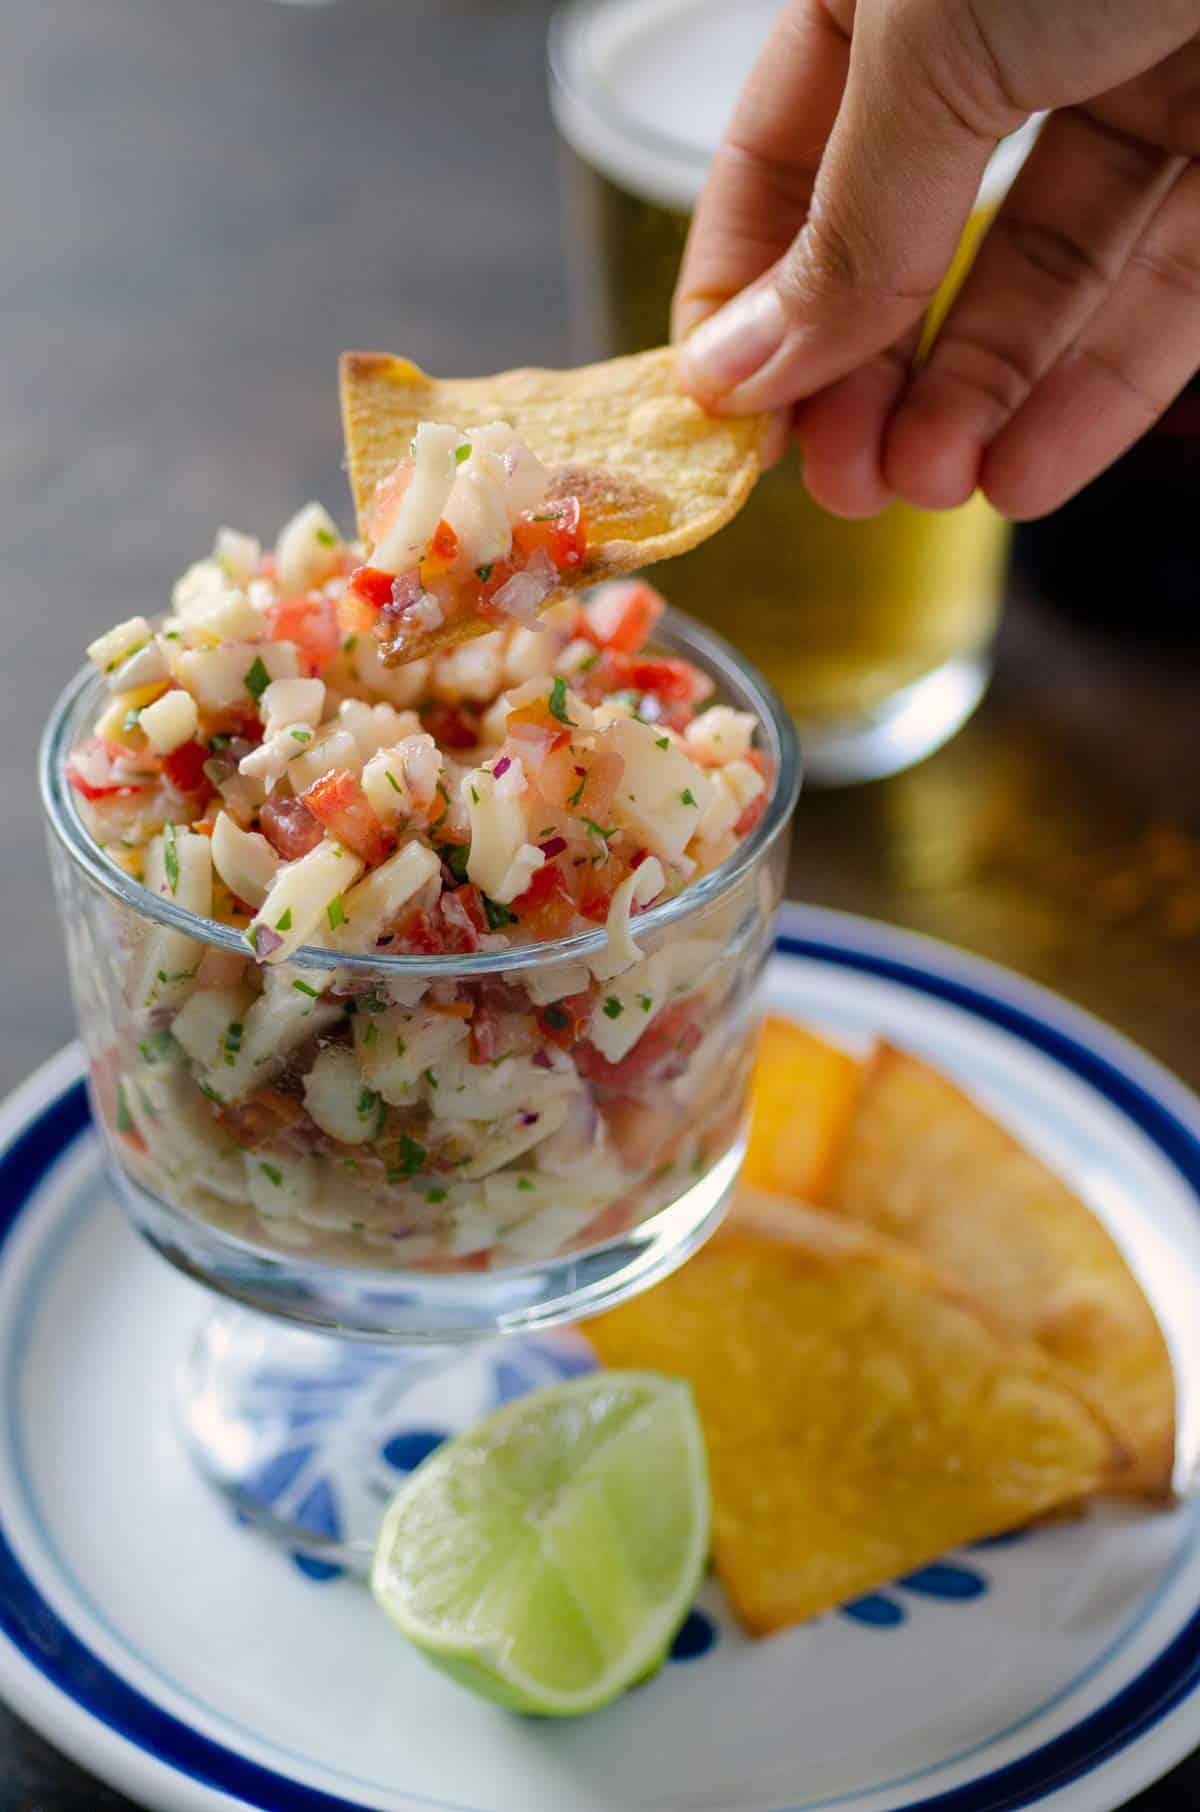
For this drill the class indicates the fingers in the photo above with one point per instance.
(1055, 250)
(1130, 361)
(889, 201)
(760, 183)
(840, 434)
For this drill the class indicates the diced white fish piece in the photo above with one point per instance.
(401, 542)
(307, 551)
(245, 861)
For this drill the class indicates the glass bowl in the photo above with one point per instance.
(464, 1197)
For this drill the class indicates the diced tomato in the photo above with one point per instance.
(669, 679)
(546, 908)
(461, 919)
(598, 887)
(372, 585)
(536, 725)
(338, 802)
(91, 772)
(603, 778)
(565, 1021)
(660, 1053)
(556, 529)
(262, 1118)
(452, 726)
(473, 1261)
(289, 827)
(419, 935)
(184, 768)
(311, 623)
(751, 816)
(441, 553)
(622, 615)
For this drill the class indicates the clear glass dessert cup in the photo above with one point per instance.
(467, 1197)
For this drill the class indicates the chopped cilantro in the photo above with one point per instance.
(156, 1048)
(372, 1002)
(412, 1156)
(284, 921)
(299, 735)
(219, 743)
(484, 572)
(171, 856)
(368, 1101)
(497, 916)
(687, 797)
(124, 1118)
(206, 1088)
(391, 780)
(598, 830)
(350, 644)
(474, 797)
(371, 1035)
(335, 912)
(257, 679)
(524, 1183)
(455, 855)
(436, 1194)
(303, 988)
(577, 795)
(556, 1018)
(462, 453)
(430, 1078)
(645, 1002)
(271, 1172)
(662, 742)
(326, 537)
(613, 1008)
(557, 702)
(232, 1041)
(589, 661)
(401, 1047)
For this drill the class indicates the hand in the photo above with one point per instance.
(834, 206)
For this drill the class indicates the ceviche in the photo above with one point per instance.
(258, 762)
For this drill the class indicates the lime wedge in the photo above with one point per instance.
(547, 1557)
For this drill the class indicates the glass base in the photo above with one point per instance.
(309, 1436)
(911, 725)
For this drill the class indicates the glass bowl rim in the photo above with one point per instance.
(741, 682)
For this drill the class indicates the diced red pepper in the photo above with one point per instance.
(372, 585)
(87, 790)
(338, 802)
(751, 816)
(184, 768)
(289, 827)
(311, 623)
(557, 529)
(441, 553)
(546, 908)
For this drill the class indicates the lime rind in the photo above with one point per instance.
(546, 1558)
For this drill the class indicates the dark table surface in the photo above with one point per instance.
(203, 201)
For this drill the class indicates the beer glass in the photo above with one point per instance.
(875, 633)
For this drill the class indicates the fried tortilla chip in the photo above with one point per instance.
(654, 473)
(802, 1095)
(928, 1167)
(862, 1417)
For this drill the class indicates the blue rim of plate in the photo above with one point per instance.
(1081, 1045)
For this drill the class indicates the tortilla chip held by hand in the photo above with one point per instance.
(926, 1166)
(655, 475)
(862, 1417)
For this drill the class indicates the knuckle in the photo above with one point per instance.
(1115, 372)
(1175, 268)
(1002, 376)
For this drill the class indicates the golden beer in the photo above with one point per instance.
(875, 633)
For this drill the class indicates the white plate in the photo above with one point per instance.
(185, 1661)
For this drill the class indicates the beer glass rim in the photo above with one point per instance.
(739, 683)
(580, 93)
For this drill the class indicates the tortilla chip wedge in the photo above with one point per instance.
(862, 1417)
(655, 474)
(927, 1166)
(802, 1102)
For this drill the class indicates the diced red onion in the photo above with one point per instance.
(528, 1119)
(265, 940)
(553, 846)
(406, 589)
(541, 1058)
(501, 767)
(520, 596)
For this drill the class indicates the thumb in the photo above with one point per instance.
(895, 186)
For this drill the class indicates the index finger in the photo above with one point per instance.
(760, 184)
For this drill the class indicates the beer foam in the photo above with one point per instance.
(643, 90)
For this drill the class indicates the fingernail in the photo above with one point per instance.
(732, 344)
